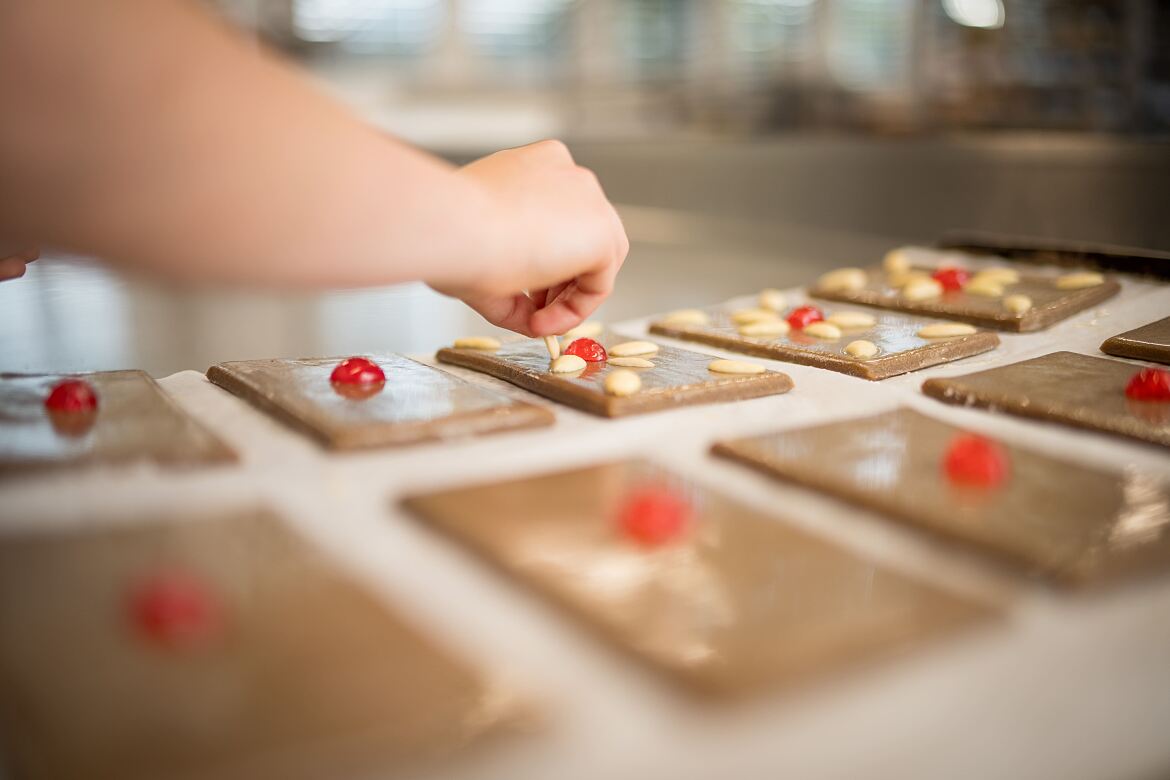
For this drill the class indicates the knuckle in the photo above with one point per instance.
(587, 175)
(553, 147)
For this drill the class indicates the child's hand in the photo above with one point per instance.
(564, 243)
(12, 266)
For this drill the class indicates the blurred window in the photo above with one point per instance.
(765, 33)
(988, 14)
(652, 36)
(404, 27)
(509, 28)
(869, 43)
(891, 65)
(768, 25)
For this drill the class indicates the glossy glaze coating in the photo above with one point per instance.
(1065, 387)
(417, 402)
(1057, 519)
(1049, 305)
(312, 674)
(679, 377)
(135, 421)
(739, 602)
(1149, 342)
(895, 335)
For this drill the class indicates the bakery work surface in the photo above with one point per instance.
(1026, 680)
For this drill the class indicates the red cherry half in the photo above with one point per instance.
(73, 424)
(71, 395)
(803, 316)
(652, 516)
(975, 461)
(357, 371)
(588, 350)
(951, 279)
(1149, 384)
(174, 609)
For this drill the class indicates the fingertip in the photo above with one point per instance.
(524, 330)
(11, 268)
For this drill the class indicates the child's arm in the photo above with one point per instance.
(146, 132)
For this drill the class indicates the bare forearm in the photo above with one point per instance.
(141, 131)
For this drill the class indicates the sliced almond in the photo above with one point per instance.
(999, 274)
(567, 364)
(822, 330)
(842, 280)
(1079, 280)
(764, 328)
(942, 330)
(630, 362)
(586, 330)
(983, 287)
(687, 317)
(477, 342)
(622, 382)
(861, 349)
(922, 289)
(1017, 304)
(633, 348)
(903, 278)
(735, 367)
(772, 299)
(851, 319)
(896, 262)
(746, 316)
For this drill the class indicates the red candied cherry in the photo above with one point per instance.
(73, 424)
(1149, 384)
(975, 461)
(653, 516)
(175, 610)
(71, 395)
(357, 371)
(803, 316)
(588, 350)
(951, 279)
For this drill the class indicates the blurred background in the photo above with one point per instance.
(747, 143)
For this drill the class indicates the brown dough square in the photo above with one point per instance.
(901, 350)
(135, 421)
(1049, 304)
(1056, 519)
(310, 673)
(1072, 254)
(1086, 392)
(1149, 342)
(679, 378)
(741, 602)
(418, 403)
